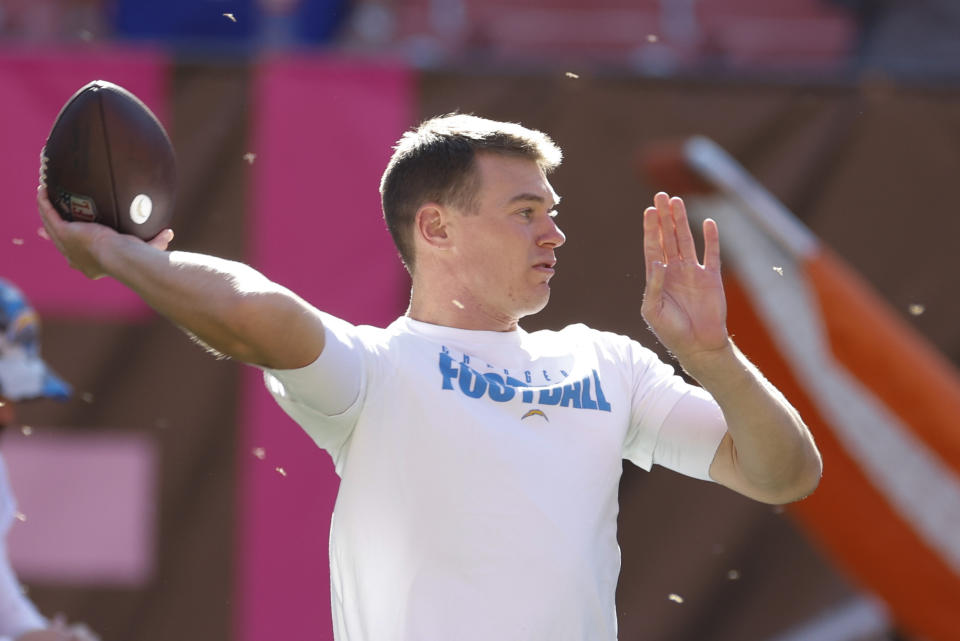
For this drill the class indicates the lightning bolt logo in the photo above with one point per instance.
(535, 413)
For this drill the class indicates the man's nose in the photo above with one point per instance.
(552, 236)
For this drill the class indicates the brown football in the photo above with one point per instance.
(108, 160)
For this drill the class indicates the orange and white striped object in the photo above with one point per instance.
(882, 403)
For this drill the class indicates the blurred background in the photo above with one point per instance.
(169, 499)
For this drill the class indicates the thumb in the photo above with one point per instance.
(653, 291)
(162, 240)
(655, 277)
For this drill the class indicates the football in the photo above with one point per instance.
(108, 160)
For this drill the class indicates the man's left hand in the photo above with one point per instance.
(683, 303)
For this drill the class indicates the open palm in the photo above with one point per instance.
(683, 303)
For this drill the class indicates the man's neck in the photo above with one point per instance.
(460, 310)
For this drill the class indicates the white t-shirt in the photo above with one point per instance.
(480, 470)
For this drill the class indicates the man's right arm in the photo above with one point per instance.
(228, 306)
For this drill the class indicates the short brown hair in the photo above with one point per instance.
(435, 163)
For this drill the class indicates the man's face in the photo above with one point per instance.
(504, 249)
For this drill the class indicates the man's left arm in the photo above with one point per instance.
(767, 454)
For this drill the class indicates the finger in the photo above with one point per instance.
(48, 215)
(652, 249)
(162, 240)
(653, 290)
(43, 201)
(668, 231)
(685, 242)
(51, 219)
(711, 245)
(83, 633)
(59, 621)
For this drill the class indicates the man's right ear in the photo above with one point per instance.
(431, 225)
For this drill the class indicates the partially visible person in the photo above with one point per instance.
(23, 377)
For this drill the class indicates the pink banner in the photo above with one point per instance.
(35, 86)
(87, 506)
(323, 132)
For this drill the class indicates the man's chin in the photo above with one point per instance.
(536, 305)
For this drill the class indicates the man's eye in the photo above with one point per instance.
(526, 213)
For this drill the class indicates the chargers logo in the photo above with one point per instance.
(535, 413)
